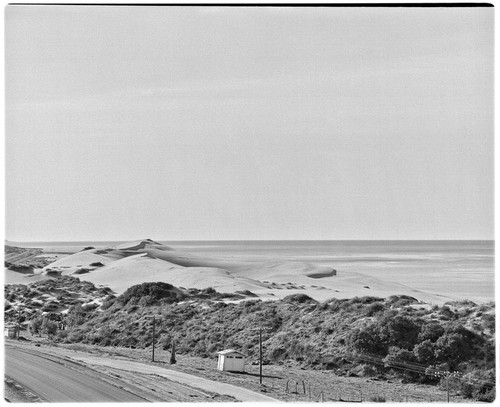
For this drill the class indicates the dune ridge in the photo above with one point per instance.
(146, 260)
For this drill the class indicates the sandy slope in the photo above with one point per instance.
(140, 268)
(148, 261)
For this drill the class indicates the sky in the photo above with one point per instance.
(214, 123)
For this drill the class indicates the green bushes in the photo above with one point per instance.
(430, 332)
(153, 291)
(375, 308)
(401, 331)
(452, 348)
(295, 329)
(424, 352)
(410, 339)
(479, 385)
(368, 340)
(49, 327)
(299, 298)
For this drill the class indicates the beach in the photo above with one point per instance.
(433, 272)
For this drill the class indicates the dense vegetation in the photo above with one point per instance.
(368, 335)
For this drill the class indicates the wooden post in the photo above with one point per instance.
(304, 386)
(153, 356)
(448, 386)
(172, 354)
(18, 324)
(153, 348)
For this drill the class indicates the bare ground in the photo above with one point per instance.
(286, 382)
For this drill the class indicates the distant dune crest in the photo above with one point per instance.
(146, 260)
(141, 244)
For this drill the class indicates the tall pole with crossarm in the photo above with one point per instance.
(260, 354)
(153, 344)
(447, 375)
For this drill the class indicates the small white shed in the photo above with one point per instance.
(10, 331)
(231, 360)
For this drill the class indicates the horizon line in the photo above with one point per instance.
(250, 240)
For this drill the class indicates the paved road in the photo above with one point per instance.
(56, 382)
(237, 392)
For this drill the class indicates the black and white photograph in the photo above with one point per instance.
(281, 202)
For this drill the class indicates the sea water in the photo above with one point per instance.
(464, 268)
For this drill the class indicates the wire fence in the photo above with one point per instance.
(310, 391)
(304, 391)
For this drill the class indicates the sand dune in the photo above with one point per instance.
(141, 267)
(145, 260)
(84, 259)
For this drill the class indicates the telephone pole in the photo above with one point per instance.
(260, 355)
(447, 375)
(260, 352)
(153, 344)
(18, 323)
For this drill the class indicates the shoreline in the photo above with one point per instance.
(293, 269)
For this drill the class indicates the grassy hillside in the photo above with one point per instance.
(363, 336)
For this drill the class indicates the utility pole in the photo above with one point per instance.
(153, 344)
(260, 354)
(172, 353)
(447, 375)
(18, 323)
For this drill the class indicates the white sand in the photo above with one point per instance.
(147, 261)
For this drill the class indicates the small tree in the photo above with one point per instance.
(49, 327)
(35, 326)
(424, 351)
(452, 348)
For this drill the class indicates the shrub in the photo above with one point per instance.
(277, 353)
(62, 334)
(35, 326)
(299, 298)
(424, 351)
(401, 300)
(431, 332)
(398, 356)
(49, 327)
(77, 315)
(401, 331)
(447, 313)
(453, 348)
(156, 291)
(368, 340)
(108, 302)
(375, 308)
(378, 399)
(82, 270)
(364, 300)
(479, 385)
